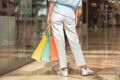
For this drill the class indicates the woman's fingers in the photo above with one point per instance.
(76, 21)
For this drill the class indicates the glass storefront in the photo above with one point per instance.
(22, 23)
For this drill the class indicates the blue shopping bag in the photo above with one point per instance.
(46, 52)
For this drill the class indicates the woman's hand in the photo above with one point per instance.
(76, 21)
(48, 20)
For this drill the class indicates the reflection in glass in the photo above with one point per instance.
(22, 25)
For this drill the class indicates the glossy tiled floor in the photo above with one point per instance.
(104, 68)
(101, 53)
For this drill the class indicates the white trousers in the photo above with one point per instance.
(59, 23)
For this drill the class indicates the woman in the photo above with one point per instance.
(65, 15)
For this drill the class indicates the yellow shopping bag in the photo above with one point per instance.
(40, 48)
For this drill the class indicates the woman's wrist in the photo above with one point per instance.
(77, 17)
(48, 15)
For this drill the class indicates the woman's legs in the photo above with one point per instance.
(73, 39)
(57, 26)
(70, 29)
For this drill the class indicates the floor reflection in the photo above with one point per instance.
(101, 56)
(47, 70)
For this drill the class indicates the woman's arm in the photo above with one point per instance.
(50, 9)
(78, 14)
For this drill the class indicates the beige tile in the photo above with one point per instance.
(44, 70)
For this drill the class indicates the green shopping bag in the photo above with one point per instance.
(46, 52)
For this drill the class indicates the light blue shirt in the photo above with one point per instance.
(66, 7)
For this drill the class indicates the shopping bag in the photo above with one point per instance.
(37, 54)
(46, 52)
(53, 49)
